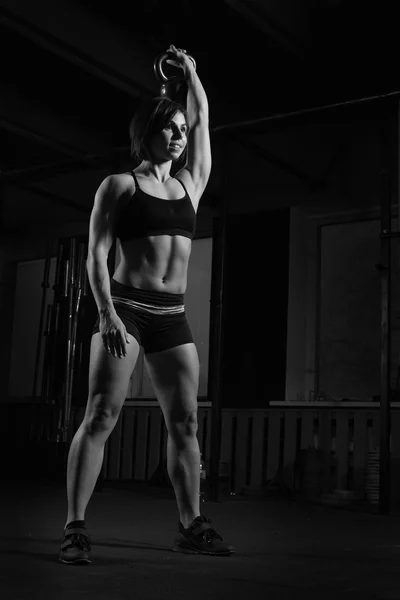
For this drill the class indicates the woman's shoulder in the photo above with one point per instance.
(121, 183)
(115, 190)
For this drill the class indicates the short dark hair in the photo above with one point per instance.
(151, 116)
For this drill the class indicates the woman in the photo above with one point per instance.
(154, 217)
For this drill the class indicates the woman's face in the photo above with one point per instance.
(170, 142)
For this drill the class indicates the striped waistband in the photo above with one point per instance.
(148, 308)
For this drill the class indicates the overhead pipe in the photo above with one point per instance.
(303, 112)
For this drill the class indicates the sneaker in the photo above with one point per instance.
(201, 538)
(75, 547)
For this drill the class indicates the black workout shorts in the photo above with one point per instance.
(156, 319)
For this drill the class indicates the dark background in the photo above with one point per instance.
(256, 58)
(253, 66)
(255, 303)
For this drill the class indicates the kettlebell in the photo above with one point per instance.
(173, 87)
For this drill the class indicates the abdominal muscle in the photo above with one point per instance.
(157, 263)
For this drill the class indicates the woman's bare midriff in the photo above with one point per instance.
(157, 263)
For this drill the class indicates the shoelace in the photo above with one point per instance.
(80, 540)
(209, 533)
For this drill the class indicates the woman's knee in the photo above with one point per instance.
(182, 424)
(102, 413)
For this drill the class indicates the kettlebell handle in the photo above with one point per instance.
(158, 66)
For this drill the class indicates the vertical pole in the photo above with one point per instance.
(214, 392)
(75, 321)
(396, 199)
(70, 286)
(45, 377)
(54, 396)
(45, 287)
(385, 261)
(36, 423)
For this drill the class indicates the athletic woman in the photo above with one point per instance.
(153, 214)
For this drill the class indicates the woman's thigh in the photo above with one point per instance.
(109, 377)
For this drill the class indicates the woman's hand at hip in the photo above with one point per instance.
(114, 334)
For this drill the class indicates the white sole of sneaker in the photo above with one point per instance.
(187, 549)
(78, 561)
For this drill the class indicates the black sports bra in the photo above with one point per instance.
(146, 215)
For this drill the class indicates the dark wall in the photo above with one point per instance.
(255, 302)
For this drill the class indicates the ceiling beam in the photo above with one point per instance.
(39, 138)
(106, 53)
(282, 164)
(259, 14)
(63, 167)
(53, 197)
(23, 115)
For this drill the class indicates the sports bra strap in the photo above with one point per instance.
(135, 179)
(138, 187)
(182, 186)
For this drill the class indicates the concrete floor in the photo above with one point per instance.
(284, 549)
